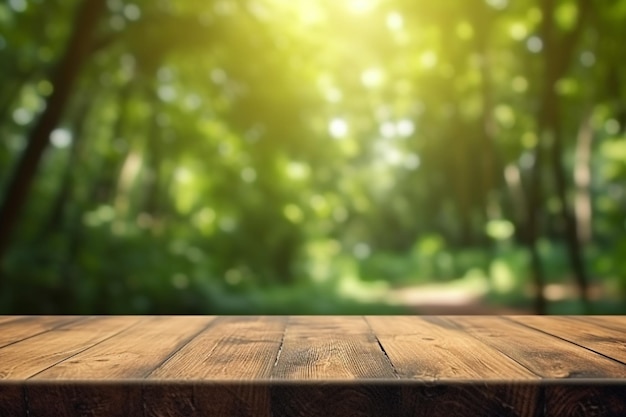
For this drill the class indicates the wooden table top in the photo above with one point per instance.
(265, 362)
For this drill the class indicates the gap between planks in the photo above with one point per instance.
(382, 348)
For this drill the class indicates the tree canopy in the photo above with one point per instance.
(290, 156)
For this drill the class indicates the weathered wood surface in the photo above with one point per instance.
(312, 366)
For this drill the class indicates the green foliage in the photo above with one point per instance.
(267, 156)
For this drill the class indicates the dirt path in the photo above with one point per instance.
(446, 300)
(467, 309)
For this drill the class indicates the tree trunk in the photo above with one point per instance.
(63, 80)
(531, 234)
(571, 227)
(65, 192)
(582, 178)
(557, 59)
(545, 117)
(154, 160)
(103, 189)
(557, 53)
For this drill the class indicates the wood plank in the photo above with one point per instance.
(426, 348)
(611, 322)
(23, 327)
(315, 325)
(178, 398)
(444, 399)
(464, 376)
(169, 400)
(231, 348)
(586, 400)
(25, 358)
(219, 362)
(5, 319)
(336, 399)
(314, 366)
(331, 348)
(132, 353)
(608, 342)
(233, 399)
(545, 355)
(12, 401)
(78, 400)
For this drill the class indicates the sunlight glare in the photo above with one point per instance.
(464, 30)
(388, 130)
(519, 84)
(361, 250)
(61, 138)
(23, 116)
(360, 6)
(394, 21)
(298, 170)
(518, 31)
(333, 95)
(497, 4)
(587, 58)
(293, 213)
(612, 127)
(18, 5)
(338, 128)
(534, 44)
(428, 59)
(183, 175)
(132, 12)
(218, 76)
(405, 127)
(389, 153)
(248, 174)
(372, 77)
(228, 224)
(166, 93)
(412, 161)
(393, 156)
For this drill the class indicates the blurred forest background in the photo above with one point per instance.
(312, 156)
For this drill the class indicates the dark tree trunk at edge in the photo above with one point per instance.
(67, 72)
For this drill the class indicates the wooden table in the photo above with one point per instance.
(312, 366)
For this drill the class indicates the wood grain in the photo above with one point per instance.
(543, 354)
(23, 327)
(429, 349)
(23, 359)
(478, 399)
(5, 319)
(12, 401)
(611, 322)
(273, 366)
(586, 400)
(323, 400)
(230, 350)
(603, 340)
(331, 348)
(78, 400)
(226, 398)
(141, 348)
(169, 400)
